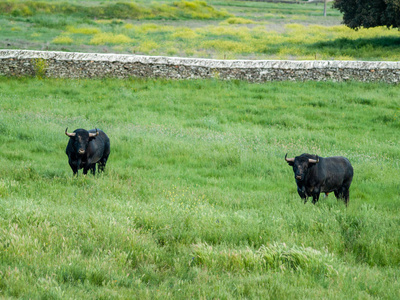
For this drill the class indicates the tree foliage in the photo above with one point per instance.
(369, 13)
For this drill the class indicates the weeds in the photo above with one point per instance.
(123, 10)
(250, 34)
(236, 20)
(234, 41)
(196, 194)
(109, 38)
(276, 257)
(40, 67)
(83, 30)
(63, 40)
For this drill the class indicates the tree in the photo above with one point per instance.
(369, 13)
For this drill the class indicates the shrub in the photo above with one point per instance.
(198, 10)
(21, 10)
(112, 21)
(184, 33)
(236, 20)
(123, 10)
(40, 66)
(148, 46)
(63, 40)
(129, 26)
(231, 46)
(109, 38)
(152, 28)
(83, 30)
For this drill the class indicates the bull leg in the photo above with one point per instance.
(74, 168)
(346, 196)
(341, 194)
(102, 166)
(85, 170)
(102, 163)
(345, 191)
(302, 194)
(93, 169)
(75, 171)
(337, 195)
(315, 195)
(315, 198)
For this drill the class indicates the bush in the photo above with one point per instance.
(63, 40)
(123, 10)
(40, 67)
(83, 30)
(110, 38)
(236, 20)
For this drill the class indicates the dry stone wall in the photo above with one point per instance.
(93, 65)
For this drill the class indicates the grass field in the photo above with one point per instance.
(213, 29)
(197, 200)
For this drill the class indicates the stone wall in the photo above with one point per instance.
(93, 65)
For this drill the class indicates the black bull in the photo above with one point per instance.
(315, 175)
(86, 148)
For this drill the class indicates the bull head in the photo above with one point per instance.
(300, 165)
(80, 139)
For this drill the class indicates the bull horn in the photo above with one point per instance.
(313, 161)
(69, 134)
(94, 134)
(289, 159)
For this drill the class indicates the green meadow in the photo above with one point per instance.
(214, 29)
(197, 200)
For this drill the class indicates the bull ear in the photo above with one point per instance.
(290, 161)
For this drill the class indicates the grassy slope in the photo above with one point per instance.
(257, 30)
(197, 200)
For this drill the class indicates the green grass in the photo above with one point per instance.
(214, 29)
(197, 200)
(174, 10)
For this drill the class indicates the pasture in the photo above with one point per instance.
(197, 200)
(213, 29)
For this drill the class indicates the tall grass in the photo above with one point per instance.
(234, 41)
(225, 40)
(197, 200)
(120, 9)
